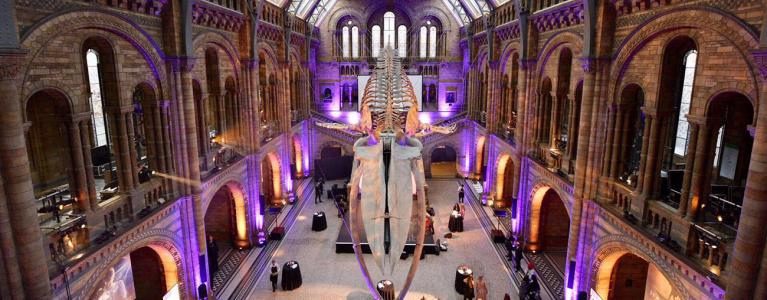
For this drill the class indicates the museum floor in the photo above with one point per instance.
(327, 275)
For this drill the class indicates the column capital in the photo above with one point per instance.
(591, 64)
(181, 63)
(527, 64)
(250, 63)
(11, 62)
(83, 116)
(760, 58)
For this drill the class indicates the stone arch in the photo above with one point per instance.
(537, 195)
(611, 247)
(346, 12)
(479, 154)
(161, 241)
(211, 37)
(554, 42)
(741, 36)
(427, 155)
(36, 38)
(508, 53)
(239, 210)
(272, 162)
(298, 155)
(732, 87)
(56, 89)
(504, 164)
(347, 149)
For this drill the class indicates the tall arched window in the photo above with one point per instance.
(422, 39)
(432, 42)
(388, 34)
(402, 40)
(345, 41)
(375, 40)
(682, 129)
(355, 42)
(97, 106)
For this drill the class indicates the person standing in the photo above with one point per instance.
(535, 288)
(518, 259)
(481, 288)
(212, 255)
(460, 194)
(318, 193)
(509, 249)
(273, 276)
(468, 292)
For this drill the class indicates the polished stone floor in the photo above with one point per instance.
(327, 275)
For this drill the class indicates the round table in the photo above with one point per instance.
(319, 223)
(455, 224)
(385, 289)
(291, 276)
(461, 273)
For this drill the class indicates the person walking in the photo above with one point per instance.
(481, 288)
(273, 276)
(460, 194)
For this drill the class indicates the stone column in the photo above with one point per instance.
(699, 175)
(616, 144)
(643, 154)
(123, 152)
(159, 136)
(651, 158)
(167, 141)
(689, 165)
(80, 190)
(30, 261)
(749, 249)
(85, 137)
(132, 146)
(590, 67)
(624, 145)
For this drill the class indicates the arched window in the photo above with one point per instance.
(355, 42)
(402, 40)
(375, 40)
(388, 34)
(422, 39)
(432, 42)
(345, 42)
(682, 129)
(97, 107)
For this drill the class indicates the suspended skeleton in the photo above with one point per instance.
(389, 117)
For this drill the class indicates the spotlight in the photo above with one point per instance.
(719, 218)
(82, 226)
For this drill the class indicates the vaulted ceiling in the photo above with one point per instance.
(314, 10)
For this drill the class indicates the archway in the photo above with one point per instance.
(444, 161)
(271, 180)
(148, 272)
(480, 157)
(625, 275)
(549, 226)
(504, 181)
(298, 158)
(225, 223)
(333, 163)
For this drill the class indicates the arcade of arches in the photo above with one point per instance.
(171, 149)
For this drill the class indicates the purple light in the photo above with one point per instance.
(352, 117)
(446, 114)
(424, 117)
(335, 114)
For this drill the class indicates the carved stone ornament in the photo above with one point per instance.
(181, 63)
(11, 62)
(760, 59)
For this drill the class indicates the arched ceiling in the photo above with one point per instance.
(313, 11)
